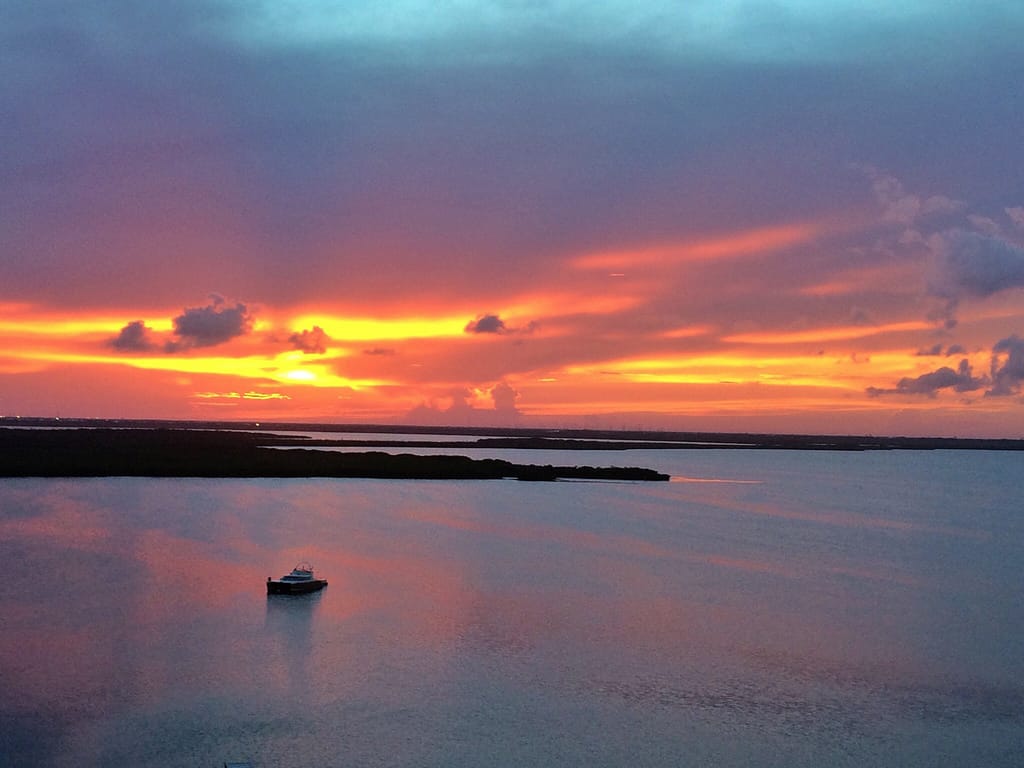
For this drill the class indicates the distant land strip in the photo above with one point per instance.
(546, 439)
(141, 452)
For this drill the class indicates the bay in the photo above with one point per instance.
(766, 608)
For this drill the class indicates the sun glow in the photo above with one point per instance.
(560, 351)
(364, 329)
(279, 368)
(49, 325)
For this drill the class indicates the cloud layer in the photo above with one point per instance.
(665, 208)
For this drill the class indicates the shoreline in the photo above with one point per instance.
(534, 438)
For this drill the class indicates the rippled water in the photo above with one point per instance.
(768, 608)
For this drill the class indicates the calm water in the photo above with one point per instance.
(770, 609)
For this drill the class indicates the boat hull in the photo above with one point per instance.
(276, 587)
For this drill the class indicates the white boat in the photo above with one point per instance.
(299, 581)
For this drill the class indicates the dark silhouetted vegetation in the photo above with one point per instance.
(207, 453)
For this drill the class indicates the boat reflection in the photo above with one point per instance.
(289, 628)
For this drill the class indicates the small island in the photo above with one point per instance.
(102, 452)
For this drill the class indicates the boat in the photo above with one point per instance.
(299, 581)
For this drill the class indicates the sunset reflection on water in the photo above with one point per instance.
(511, 623)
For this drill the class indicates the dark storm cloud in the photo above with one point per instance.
(929, 384)
(134, 337)
(311, 342)
(211, 325)
(1007, 367)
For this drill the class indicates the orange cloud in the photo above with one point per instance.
(687, 332)
(725, 246)
(820, 335)
(791, 371)
(877, 278)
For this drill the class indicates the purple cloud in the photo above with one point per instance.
(210, 325)
(494, 324)
(504, 396)
(486, 324)
(310, 342)
(969, 264)
(972, 264)
(134, 337)
(902, 207)
(1007, 367)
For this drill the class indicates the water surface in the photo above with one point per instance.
(767, 608)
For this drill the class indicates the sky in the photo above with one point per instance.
(733, 215)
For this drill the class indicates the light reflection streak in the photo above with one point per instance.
(851, 520)
(71, 525)
(623, 545)
(724, 480)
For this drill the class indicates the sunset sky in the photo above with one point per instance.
(741, 215)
